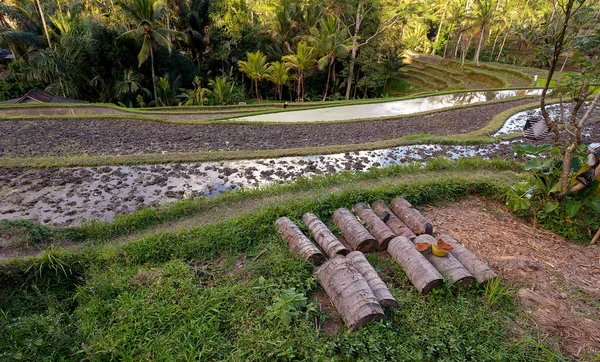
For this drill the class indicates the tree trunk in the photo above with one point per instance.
(381, 291)
(448, 265)
(501, 48)
(457, 45)
(327, 84)
(323, 236)
(411, 217)
(153, 77)
(418, 269)
(298, 242)
(437, 36)
(44, 23)
(349, 293)
(480, 270)
(299, 90)
(397, 226)
(380, 231)
(354, 49)
(595, 238)
(353, 231)
(494, 47)
(479, 47)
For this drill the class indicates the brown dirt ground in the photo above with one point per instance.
(558, 281)
(63, 137)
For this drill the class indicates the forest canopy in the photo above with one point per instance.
(199, 52)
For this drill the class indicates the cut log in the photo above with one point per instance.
(380, 231)
(349, 292)
(411, 217)
(395, 224)
(355, 234)
(298, 242)
(448, 266)
(480, 270)
(381, 291)
(418, 269)
(323, 236)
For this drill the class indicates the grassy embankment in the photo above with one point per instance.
(225, 289)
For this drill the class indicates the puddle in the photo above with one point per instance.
(69, 196)
(388, 109)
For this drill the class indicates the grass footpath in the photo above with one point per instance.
(229, 289)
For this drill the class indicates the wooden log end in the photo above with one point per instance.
(389, 303)
(367, 246)
(435, 283)
(317, 259)
(375, 315)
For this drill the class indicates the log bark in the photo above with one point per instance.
(411, 216)
(298, 242)
(349, 292)
(395, 224)
(323, 236)
(380, 231)
(448, 265)
(353, 231)
(421, 273)
(381, 291)
(480, 270)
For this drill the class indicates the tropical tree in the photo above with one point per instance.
(279, 75)
(483, 16)
(331, 40)
(221, 88)
(255, 68)
(302, 60)
(146, 14)
(130, 85)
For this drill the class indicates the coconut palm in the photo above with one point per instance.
(483, 16)
(130, 85)
(302, 60)
(331, 40)
(279, 75)
(255, 68)
(146, 14)
(221, 88)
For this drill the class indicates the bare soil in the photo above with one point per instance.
(558, 281)
(64, 137)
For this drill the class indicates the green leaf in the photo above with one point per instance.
(524, 203)
(572, 207)
(576, 163)
(550, 206)
(594, 203)
(556, 188)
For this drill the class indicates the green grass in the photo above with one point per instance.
(224, 290)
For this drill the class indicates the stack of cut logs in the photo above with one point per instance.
(350, 281)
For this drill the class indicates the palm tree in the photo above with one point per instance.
(130, 85)
(278, 74)
(301, 61)
(221, 88)
(255, 68)
(331, 41)
(146, 14)
(483, 15)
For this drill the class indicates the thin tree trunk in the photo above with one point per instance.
(457, 45)
(380, 231)
(257, 94)
(299, 90)
(564, 63)
(480, 270)
(501, 48)
(153, 76)
(353, 231)
(381, 291)
(412, 217)
(298, 242)
(327, 84)
(349, 293)
(397, 226)
(448, 265)
(437, 36)
(418, 269)
(354, 49)
(324, 237)
(44, 23)
(494, 47)
(356, 87)
(479, 47)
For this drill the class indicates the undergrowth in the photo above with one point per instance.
(233, 291)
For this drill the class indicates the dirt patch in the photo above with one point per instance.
(333, 323)
(63, 137)
(558, 280)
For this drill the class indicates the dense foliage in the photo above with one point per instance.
(167, 52)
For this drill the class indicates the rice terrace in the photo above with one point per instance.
(236, 180)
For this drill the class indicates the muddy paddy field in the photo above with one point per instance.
(69, 196)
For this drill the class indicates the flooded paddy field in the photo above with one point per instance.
(69, 196)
